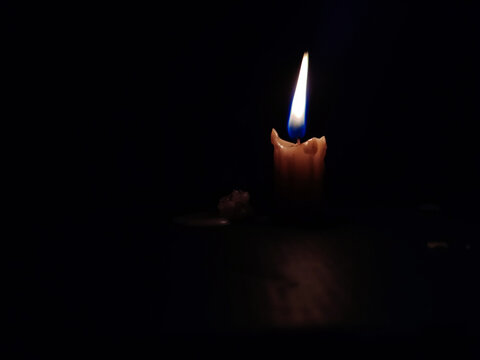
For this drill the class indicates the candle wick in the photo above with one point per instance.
(298, 141)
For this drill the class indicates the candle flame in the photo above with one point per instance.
(296, 122)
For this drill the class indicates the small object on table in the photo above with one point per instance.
(235, 206)
(437, 244)
(202, 219)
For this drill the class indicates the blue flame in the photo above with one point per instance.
(297, 131)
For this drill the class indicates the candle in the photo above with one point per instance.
(299, 167)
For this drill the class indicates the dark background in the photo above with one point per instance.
(172, 107)
(160, 110)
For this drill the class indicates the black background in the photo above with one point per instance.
(172, 107)
(163, 109)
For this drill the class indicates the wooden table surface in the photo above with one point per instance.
(133, 274)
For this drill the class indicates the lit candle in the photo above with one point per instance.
(299, 167)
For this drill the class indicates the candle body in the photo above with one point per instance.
(299, 169)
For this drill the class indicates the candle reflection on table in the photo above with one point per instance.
(307, 288)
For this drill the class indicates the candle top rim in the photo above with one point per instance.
(277, 140)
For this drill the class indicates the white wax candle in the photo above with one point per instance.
(299, 167)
